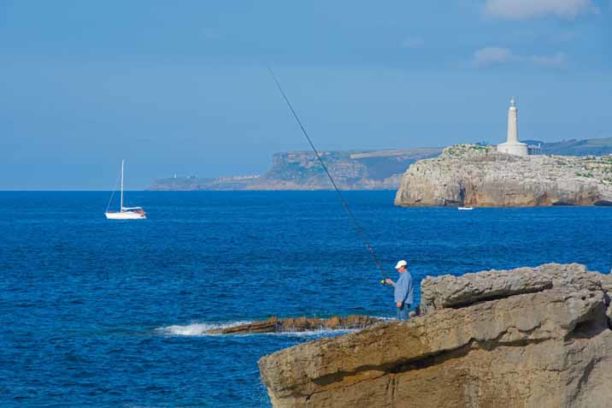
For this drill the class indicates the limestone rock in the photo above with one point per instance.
(535, 343)
(467, 175)
(606, 283)
(456, 291)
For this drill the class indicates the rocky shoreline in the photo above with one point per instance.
(298, 324)
(479, 176)
(528, 337)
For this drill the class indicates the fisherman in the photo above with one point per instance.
(404, 295)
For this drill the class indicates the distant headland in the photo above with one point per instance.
(352, 170)
(355, 170)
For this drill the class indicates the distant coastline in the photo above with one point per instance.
(352, 170)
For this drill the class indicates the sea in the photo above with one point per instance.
(98, 313)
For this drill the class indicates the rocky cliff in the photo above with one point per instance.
(470, 175)
(530, 337)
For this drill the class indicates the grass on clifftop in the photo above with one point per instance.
(463, 149)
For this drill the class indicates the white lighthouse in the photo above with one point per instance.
(512, 145)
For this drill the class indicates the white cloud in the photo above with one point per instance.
(413, 42)
(490, 56)
(525, 9)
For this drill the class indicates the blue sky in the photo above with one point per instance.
(181, 87)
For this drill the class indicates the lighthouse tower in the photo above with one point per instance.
(512, 145)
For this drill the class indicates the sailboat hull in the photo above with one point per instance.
(125, 215)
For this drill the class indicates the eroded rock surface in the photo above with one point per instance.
(456, 291)
(468, 175)
(530, 337)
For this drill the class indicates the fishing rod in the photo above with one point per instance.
(358, 228)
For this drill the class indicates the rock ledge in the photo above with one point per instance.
(529, 337)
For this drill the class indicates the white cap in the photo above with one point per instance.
(400, 264)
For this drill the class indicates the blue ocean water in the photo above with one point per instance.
(109, 313)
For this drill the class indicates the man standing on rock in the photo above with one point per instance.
(404, 295)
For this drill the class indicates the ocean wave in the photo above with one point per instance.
(203, 329)
(197, 329)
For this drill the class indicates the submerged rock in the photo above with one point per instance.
(530, 337)
(479, 176)
(299, 324)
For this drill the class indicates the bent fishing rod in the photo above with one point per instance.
(358, 228)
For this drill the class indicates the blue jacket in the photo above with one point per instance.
(403, 289)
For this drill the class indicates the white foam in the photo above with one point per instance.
(197, 329)
(202, 329)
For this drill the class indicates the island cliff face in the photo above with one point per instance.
(478, 176)
(529, 337)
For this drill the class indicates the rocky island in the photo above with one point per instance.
(528, 337)
(479, 176)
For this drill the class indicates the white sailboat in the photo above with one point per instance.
(125, 213)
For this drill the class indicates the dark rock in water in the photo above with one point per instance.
(299, 324)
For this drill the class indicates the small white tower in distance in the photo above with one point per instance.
(512, 125)
(512, 145)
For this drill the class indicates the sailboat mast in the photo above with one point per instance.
(121, 205)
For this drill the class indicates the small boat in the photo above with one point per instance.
(125, 213)
(465, 208)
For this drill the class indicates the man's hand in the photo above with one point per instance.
(389, 281)
(399, 304)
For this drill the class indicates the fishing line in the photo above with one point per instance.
(360, 231)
